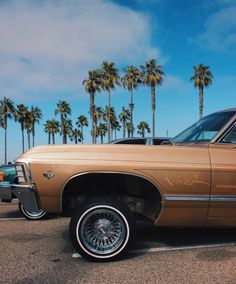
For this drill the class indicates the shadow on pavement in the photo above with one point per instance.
(151, 236)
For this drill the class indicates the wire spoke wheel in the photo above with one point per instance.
(102, 231)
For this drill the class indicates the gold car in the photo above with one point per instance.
(189, 182)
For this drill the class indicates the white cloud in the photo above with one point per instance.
(220, 31)
(173, 84)
(50, 45)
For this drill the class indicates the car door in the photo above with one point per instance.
(222, 209)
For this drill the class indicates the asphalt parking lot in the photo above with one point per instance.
(40, 252)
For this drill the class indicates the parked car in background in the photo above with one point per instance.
(142, 140)
(8, 176)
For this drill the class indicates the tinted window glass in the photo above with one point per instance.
(159, 141)
(139, 141)
(230, 137)
(132, 141)
(205, 129)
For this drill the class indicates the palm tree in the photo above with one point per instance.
(64, 109)
(142, 127)
(47, 129)
(152, 76)
(202, 78)
(113, 117)
(93, 85)
(52, 127)
(131, 80)
(130, 129)
(35, 116)
(101, 131)
(28, 126)
(124, 117)
(21, 117)
(67, 128)
(55, 128)
(98, 115)
(110, 78)
(81, 122)
(76, 136)
(1, 118)
(7, 111)
(115, 126)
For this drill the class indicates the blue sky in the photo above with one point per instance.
(48, 46)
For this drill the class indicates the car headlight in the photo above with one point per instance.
(20, 174)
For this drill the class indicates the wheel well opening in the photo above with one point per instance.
(140, 195)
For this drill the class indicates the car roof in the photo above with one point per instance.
(226, 110)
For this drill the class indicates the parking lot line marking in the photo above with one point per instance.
(12, 219)
(76, 255)
(163, 249)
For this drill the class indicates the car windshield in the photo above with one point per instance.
(205, 129)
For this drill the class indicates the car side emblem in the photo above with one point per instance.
(49, 175)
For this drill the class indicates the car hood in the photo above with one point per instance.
(110, 152)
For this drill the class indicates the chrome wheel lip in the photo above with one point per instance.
(33, 214)
(112, 252)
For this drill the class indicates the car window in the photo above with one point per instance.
(230, 137)
(158, 141)
(140, 141)
(132, 141)
(205, 129)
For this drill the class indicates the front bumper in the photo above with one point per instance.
(25, 194)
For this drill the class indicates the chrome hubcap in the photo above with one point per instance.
(33, 214)
(102, 231)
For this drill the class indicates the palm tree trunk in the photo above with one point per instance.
(92, 110)
(131, 107)
(28, 134)
(53, 138)
(200, 102)
(95, 132)
(109, 116)
(153, 109)
(123, 128)
(49, 138)
(23, 138)
(143, 132)
(65, 137)
(82, 134)
(63, 131)
(33, 133)
(101, 139)
(5, 129)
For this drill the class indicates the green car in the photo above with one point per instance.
(8, 176)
